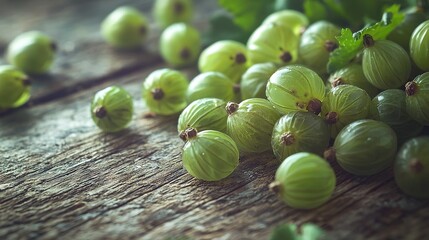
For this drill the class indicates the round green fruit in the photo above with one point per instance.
(180, 44)
(14, 87)
(273, 43)
(227, 57)
(385, 64)
(203, 114)
(254, 81)
(353, 75)
(112, 109)
(167, 12)
(299, 132)
(292, 19)
(250, 124)
(343, 105)
(364, 147)
(212, 85)
(125, 27)
(209, 155)
(164, 91)
(317, 43)
(412, 167)
(32, 52)
(389, 107)
(417, 98)
(419, 46)
(296, 88)
(304, 181)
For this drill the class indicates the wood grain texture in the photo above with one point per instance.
(61, 178)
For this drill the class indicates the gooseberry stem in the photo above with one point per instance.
(331, 117)
(236, 88)
(185, 53)
(157, 93)
(286, 57)
(330, 46)
(415, 165)
(314, 106)
(337, 81)
(329, 154)
(26, 82)
(231, 107)
(240, 58)
(411, 88)
(188, 134)
(368, 41)
(100, 112)
(287, 139)
(275, 186)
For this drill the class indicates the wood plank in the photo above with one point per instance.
(83, 58)
(75, 182)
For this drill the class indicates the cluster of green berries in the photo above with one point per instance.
(275, 94)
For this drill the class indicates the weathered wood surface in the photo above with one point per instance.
(61, 178)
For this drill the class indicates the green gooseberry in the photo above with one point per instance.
(385, 64)
(32, 52)
(389, 107)
(167, 12)
(343, 105)
(299, 132)
(112, 109)
(14, 87)
(292, 19)
(412, 167)
(317, 43)
(417, 98)
(273, 43)
(164, 91)
(296, 88)
(419, 46)
(209, 155)
(353, 75)
(254, 81)
(364, 147)
(126, 27)
(402, 33)
(212, 85)
(227, 57)
(180, 44)
(203, 114)
(304, 180)
(250, 124)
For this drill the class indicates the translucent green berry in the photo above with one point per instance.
(180, 44)
(164, 91)
(417, 98)
(125, 27)
(167, 12)
(419, 46)
(412, 167)
(304, 181)
(14, 87)
(32, 52)
(203, 114)
(250, 124)
(112, 109)
(209, 155)
(254, 81)
(212, 85)
(227, 57)
(292, 19)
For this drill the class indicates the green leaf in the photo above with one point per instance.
(222, 27)
(350, 44)
(248, 14)
(284, 232)
(312, 232)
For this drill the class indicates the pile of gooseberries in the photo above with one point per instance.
(273, 94)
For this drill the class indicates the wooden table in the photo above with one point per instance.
(62, 178)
